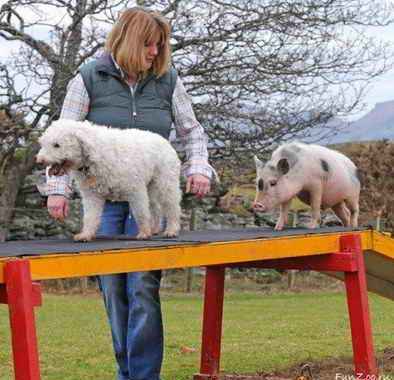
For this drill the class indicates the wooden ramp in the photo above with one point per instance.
(363, 258)
(51, 259)
(57, 258)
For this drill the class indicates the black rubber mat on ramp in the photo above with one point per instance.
(46, 247)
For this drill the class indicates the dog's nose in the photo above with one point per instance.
(39, 159)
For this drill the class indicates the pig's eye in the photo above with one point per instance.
(273, 183)
(56, 145)
(260, 185)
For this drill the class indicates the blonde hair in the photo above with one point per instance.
(135, 28)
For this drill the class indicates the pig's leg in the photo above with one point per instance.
(315, 201)
(352, 204)
(283, 215)
(343, 213)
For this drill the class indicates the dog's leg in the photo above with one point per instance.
(139, 204)
(170, 203)
(155, 209)
(93, 206)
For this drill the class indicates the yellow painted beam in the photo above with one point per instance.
(203, 254)
(383, 244)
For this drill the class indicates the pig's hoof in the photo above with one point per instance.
(313, 225)
(83, 236)
(279, 227)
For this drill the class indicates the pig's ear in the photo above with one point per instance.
(259, 164)
(283, 166)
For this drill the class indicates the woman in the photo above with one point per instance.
(132, 86)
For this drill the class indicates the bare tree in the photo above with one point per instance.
(262, 71)
(33, 80)
(15, 156)
(259, 71)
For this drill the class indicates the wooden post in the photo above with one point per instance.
(21, 298)
(212, 324)
(291, 274)
(189, 271)
(357, 300)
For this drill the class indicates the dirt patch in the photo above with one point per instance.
(330, 369)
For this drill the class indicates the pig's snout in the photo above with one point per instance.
(258, 206)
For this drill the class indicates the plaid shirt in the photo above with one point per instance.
(189, 132)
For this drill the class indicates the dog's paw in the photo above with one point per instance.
(83, 236)
(143, 236)
(156, 229)
(171, 233)
(144, 233)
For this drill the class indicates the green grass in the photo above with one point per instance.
(261, 333)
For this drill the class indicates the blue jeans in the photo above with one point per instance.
(132, 303)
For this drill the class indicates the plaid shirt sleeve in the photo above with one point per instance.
(75, 107)
(76, 103)
(190, 133)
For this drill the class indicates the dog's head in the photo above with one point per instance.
(61, 147)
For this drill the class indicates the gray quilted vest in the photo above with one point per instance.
(112, 103)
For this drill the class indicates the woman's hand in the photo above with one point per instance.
(58, 207)
(198, 184)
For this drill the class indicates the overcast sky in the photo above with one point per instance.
(381, 89)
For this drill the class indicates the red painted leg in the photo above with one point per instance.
(21, 298)
(212, 324)
(357, 299)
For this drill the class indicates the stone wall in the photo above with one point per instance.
(223, 208)
(32, 220)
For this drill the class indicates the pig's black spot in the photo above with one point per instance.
(357, 176)
(260, 185)
(290, 155)
(283, 166)
(325, 165)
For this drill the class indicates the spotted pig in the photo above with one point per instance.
(319, 176)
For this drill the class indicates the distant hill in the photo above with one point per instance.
(378, 124)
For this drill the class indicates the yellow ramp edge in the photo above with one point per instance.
(183, 256)
(378, 249)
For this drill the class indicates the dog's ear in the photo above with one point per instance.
(85, 138)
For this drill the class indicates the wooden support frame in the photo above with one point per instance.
(350, 261)
(332, 252)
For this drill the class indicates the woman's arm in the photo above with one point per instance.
(58, 188)
(193, 138)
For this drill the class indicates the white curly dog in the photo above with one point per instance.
(121, 165)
